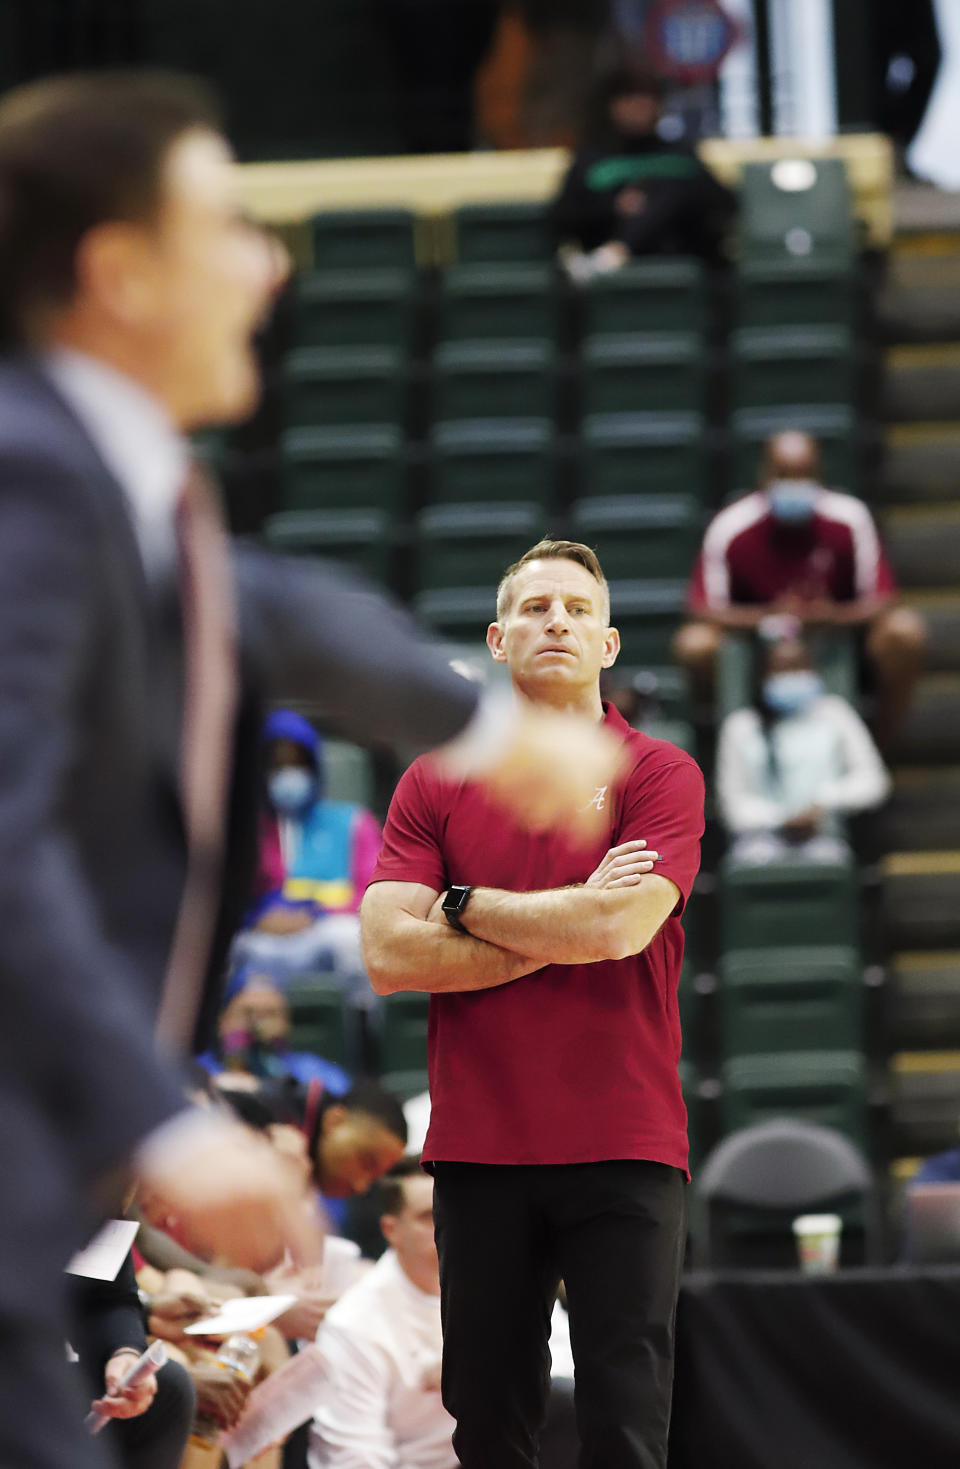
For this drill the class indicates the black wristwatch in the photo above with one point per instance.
(455, 900)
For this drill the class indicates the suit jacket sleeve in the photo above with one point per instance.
(107, 1316)
(316, 634)
(76, 1046)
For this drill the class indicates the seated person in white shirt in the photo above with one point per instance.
(790, 767)
(382, 1341)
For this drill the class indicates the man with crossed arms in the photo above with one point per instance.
(558, 1131)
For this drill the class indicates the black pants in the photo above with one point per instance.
(158, 1438)
(614, 1233)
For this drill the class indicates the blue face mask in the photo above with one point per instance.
(291, 789)
(790, 693)
(793, 501)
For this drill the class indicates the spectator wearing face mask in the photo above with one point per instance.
(629, 192)
(316, 858)
(794, 546)
(790, 768)
(253, 1039)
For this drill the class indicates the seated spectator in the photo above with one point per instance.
(316, 859)
(628, 192)
(150, 1422)
(252, 1039)
(792, 766)
(793, 546)
(382, 1342)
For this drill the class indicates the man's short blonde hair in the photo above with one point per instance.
(550, 550)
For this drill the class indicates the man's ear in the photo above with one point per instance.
(611, 648)
(495, 642)
(388, 1227)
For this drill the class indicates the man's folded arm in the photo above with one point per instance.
(577, 925)
(404, 950)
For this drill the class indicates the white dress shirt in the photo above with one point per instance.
(137, 441)
(379, 1341)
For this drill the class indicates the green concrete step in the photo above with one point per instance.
(920, 463)
(923, 813)
(921, 900)
(920, 299)
(924, 544)
(923, 1000)
(932, 731)
(921, 383)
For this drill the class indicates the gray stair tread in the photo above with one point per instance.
(923, 813)
(921, 383)
(921, 900)
(923, 1008)
(941, 611)
(932, 731)
(924, 544)
(920, 463)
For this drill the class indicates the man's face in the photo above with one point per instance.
(197, 282)
(259, 1009)
(635, 113)
(410, 1232)
(284, 754)
(554, 636)
(353, 1152)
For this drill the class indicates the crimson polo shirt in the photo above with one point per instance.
(575, 1063)
(750, 558)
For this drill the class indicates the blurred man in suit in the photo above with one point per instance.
(136, 652)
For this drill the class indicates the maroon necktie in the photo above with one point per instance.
(210, 695)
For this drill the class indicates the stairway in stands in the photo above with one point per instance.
(920, 516)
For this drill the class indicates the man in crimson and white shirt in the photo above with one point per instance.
(794, 546)
(557, 1137)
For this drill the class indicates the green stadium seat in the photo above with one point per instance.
(825, 1087)
(403, 1032)
(651, 374)
(332, 386)
(647, 614)
(679, 732)
(474, 460)
(472, 545)
(796, 209)
(648, 296)
(353, 307)
(784, 903)
(461, 614)
(501, 233)
(688, 1085)
(782, 366)
(360, 539)
(494, 379)
(405, 1084)
(636, 453)
(363, 238)
(320, 1021)
(665, 688)
(355, 468)
(505, 301)
(347, 773)
(833, 426)
(791, 999)
(795, 292)
(639, 535)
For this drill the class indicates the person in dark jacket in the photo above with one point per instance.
(628, 192)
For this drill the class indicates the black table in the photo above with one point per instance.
(858, 1370)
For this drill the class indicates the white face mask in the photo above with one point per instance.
(793, 501)
(291, 789)
(790, 693)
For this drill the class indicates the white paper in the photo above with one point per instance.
(106, 1252)
(280, 1404)
(245, 1313)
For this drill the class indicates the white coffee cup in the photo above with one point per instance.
(818, 1242)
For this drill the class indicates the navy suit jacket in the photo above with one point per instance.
(92, 851)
